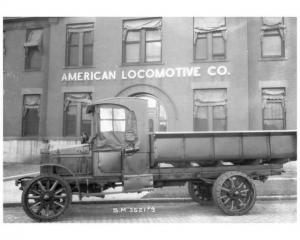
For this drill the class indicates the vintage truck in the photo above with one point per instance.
(218, 166)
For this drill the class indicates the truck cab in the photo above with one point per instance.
(120, 124)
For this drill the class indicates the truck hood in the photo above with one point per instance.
(70, 150)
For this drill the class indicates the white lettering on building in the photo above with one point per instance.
(179, 72)
(221, 70)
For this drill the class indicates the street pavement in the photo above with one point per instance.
(164, 212)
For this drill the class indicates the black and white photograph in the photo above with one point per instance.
(149, 119)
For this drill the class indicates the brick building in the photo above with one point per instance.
(198, 74)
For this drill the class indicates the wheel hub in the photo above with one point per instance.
(47, 196)
(234, 194)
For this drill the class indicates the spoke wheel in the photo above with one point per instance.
(234, 193)
(46, 197)
(200, 192)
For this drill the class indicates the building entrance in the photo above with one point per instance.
(156, 113)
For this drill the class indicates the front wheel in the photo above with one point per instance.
(234, 193)
(46, 198)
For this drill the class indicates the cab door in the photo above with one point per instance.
(116, 130)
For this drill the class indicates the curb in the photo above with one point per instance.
(159, 200)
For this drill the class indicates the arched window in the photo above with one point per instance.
(156, 113)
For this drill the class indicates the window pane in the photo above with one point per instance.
(88, 37)
(119, 113)
(34, 58)
(153, 51)
(218, 45)
(85, 121)
(87, 55)
(132, 53)
(273, 110)
(162, 112)
(85, 116)
(133, 36)
(153, 35)
(273, 124)
(219, 125)
(106, 125)
(219, 112)
(201, 118)
(73, 56)
(201, 112)
(31, 122)
(119, 126)
(200, 124)
(201, 48)
(86, 127)
(70, 118)
(272, 45)
(73, 38)
(106, 113)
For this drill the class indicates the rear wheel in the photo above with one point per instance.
(200, 192)
(234, 193)
(46, 198)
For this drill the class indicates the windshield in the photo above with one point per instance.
(117, 127)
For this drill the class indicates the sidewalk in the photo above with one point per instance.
(276, 187)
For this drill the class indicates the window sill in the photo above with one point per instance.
(268, 59)
(32, 70)
(74, 138)
(78, 67)
(140, 64)
(210, 61)
(41, 138)
(32, 138)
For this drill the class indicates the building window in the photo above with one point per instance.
(210, 111)
(76, 120)
(273, 108)
(272, 37)
(31, 115)
(157, 115)
(80, 45)
(33, 49)
(142, 41)
(209, 38)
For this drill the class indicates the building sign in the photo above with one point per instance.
(178, 72)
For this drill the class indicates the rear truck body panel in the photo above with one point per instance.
(224, 146)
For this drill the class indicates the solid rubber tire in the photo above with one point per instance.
(217, 189)
(46, 219)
